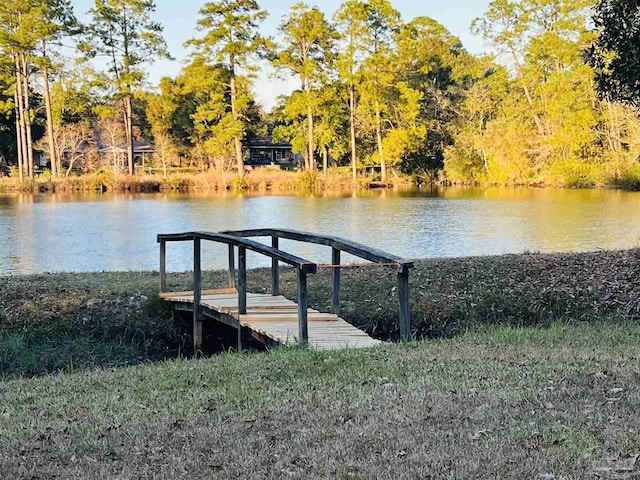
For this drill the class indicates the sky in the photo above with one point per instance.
(179, 20)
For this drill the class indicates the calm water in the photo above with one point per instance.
(118, 232)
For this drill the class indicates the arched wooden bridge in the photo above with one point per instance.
(272, 318)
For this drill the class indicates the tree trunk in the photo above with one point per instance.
(24, 160)
(325, 161)
(19, 136)
(128, 127)
(27, 115)
(310, 156)
(352, 128)
(383, 166)
(53, 153)
(164, 159)
(236, 116)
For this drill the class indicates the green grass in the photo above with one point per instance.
(505, 403)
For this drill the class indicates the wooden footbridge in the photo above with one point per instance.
(272, 318)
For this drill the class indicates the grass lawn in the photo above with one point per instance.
(557, 402)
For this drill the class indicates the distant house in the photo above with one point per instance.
(142, 150)
(262, 150)
(107, 155)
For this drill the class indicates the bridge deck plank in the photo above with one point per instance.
(276, 317)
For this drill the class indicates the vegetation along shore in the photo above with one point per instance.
(552, 100)
(529, 366)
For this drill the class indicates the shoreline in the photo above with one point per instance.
(260, 179)
(257, 180)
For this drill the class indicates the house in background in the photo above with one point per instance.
(94, 152)
(142, 152)
(262, 150)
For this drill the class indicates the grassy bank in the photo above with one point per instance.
(68, 321)
(559, 402)
(258, 179)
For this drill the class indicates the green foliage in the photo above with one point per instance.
(231, 40)
(240, 184)
(308, 52)
(543, 124)
(123, 32)
(615, 54)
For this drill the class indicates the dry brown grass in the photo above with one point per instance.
(258, 179)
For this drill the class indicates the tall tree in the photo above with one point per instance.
(433, 62)
(381, 23)
(308, 52)
(122, 31)
(17, 42)
(231, 39)
(350, 20)
(54, 20)
(203, 93)
(330, 128)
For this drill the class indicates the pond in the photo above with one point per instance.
(54, 232)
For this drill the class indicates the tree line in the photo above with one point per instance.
(400, 97)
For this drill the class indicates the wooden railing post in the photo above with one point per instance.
(275, 270)
(335, 281)
(232, 267)
(403, 298)
(242, 280)
(163, 266)
(197, 294)
(303, 329)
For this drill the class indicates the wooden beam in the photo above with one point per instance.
(197, 291)
(202, 293)
(303, 328)
(275, 270)
(335, 281)
(298, 262)
(163, 266)
(232, 267)
(403, 299)
(354, 248)
(242, 280)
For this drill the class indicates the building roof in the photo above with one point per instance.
(138, 147)
(265, 141)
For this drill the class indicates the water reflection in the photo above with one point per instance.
(118, 232)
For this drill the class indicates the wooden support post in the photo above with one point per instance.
(239, 337)
(403, 298)
(335, 276)
(163, 266)
(242, 280)
(275, 270)
(197, 293)
(303, 328)
(232, 267)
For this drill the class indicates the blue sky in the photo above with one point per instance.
(179, 20)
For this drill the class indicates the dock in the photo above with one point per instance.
(273, 318)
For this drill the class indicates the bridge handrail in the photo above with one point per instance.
(222, 237)
(339, 243)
